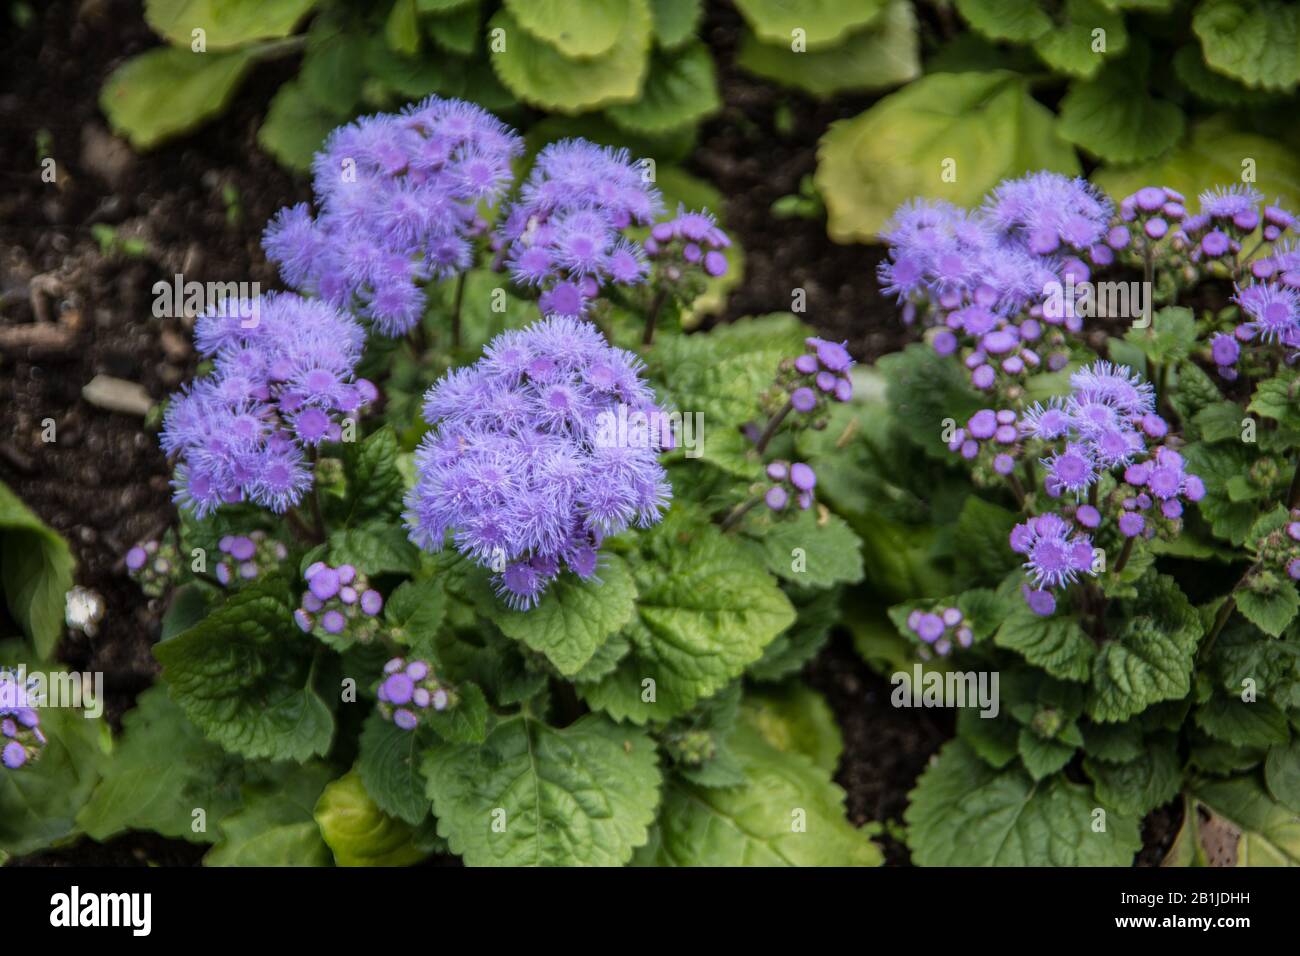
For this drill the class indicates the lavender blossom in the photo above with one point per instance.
(411, 689)
(339, 606)
(21, 739)
(527, 466)
(939, 629)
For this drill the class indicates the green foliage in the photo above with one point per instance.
(35, 572)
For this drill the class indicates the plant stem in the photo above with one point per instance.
(652, 316)
(455, 311)
(738, 512)
(1017, 488)
(1124, 554)
(772, 426)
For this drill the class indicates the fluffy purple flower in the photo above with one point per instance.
(398, 198)
(1054, 554)
(1050, 211)
(410, 689)
(541, 449)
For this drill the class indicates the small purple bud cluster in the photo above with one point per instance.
(1151, 212)
(810, 382)
(399, 196)
(566, 234)
(245, 556)
(153, 565)
(1162, 483)
(985, 276)
(339, 606)
(411, 688)
(1227, 216)
(279, 386)
(939, 629)
(1281, 548)
(992, 430)
(690, 237)
(790, 481)
(522, 467)
(21, 738)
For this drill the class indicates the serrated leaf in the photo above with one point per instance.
(1282, 774)
(276, 825)
(795, 719)
(574, 617)
(389, 764)
(374, 549)
(965, 813)
(995, 739)
(358, 832)
(814, 549)
(1019, 21)
(576, 28)
(675, 21)
(36, 568)
(1211, 87)
(1041, 756)
(1150, 655)
(817, 23)
(541, 75)
(457, 32)
(466, 723)
(1110, 119)
(1273, 611)
(583, 795)
(1070, 46)
(883, 54)
(1217, 465)
(818, 612)
(1255, 41)
(295, 127)
(1139, 786)
(752, 825)
(243, 675)
(333, 67)
(680, 90)
(1242, 723)
(225, 23)
(166, 91)
(1246, 827)
(1113, 743)
(705, 610)
(924, 389)
(1057, 643)
(163, 769)
(374, 481)
(894, 151)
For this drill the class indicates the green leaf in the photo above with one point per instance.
(995, 739)
(39, 802)
(1057, 643)
(1019, 21)
(167, 91)
(1113, 743)
(814, 549)
(1116, 122)
(402, 28)
(163, 770)
(886, 53)
(980, 539)
(295, 127)
(576, 28)
(705, 610)
(1217, 465)
(819, 22)
(1210, 156)
(533, 795)
(1150, 654)
(416, 611)
(1282, 774)
(1273, 611)
(1169, 338)
(986, 122)
(1242, 723)
(675, 21)
(36, 571)
(333, 67)
(225, 23)
(374, 549)
(1042, 756)
(277, 825)
(466, 723)
(358, 832)
(575, 617)
(1068, 46)
(244, 676)
(389, 766)
(1246, 827)
(788, 813)
(374, 482)
(457, 32)
(1254, 41)
(795, 718)
(1207, 85)
(818, 612)
(680, 90)
(965, 813)
(541, 75)
(1139, 786)
(925, 389)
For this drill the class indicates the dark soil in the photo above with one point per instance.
(103, 482)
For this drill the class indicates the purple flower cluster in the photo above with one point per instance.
(279, 385)
(153, 565)
(989, 429)
(691, 237)
(339, 605)
(1055, 555)
(525, 465)
(20, 733)
(985, 276)
(940, 628)
(398, 198)
(245, 556)
(566, 234)
(790, 481)
(1162, 482)
(410, 688)
(1153, 210)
